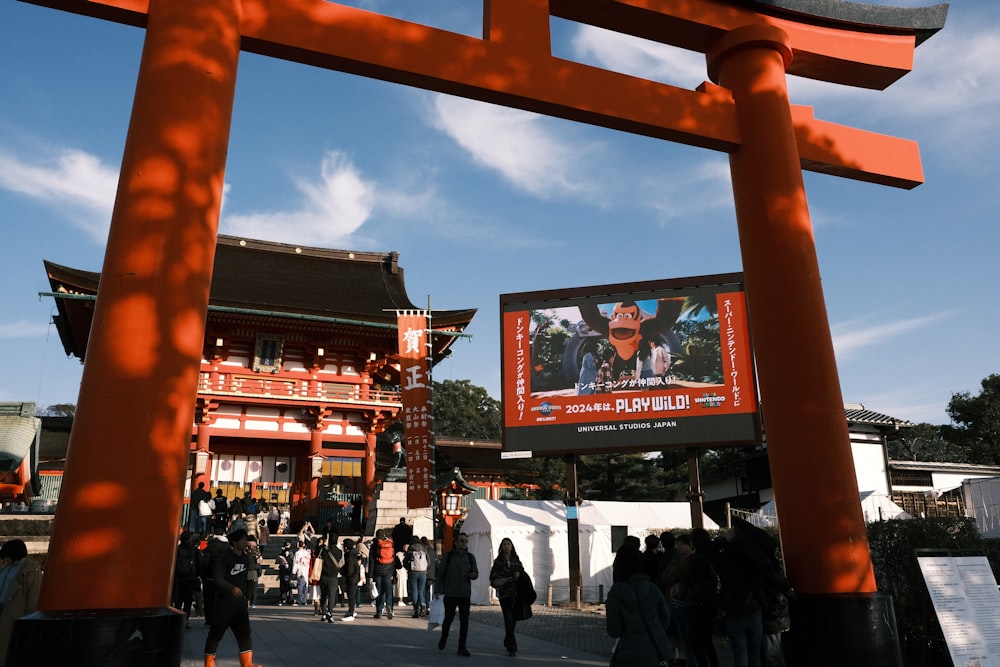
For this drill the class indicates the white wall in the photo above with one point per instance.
(869, 463)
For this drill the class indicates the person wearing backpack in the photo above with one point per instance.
(415, 562)
(186, 574)
(382, 566)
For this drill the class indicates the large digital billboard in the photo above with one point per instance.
(634, 366)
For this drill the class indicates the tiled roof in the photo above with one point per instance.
(924, 21)
(278, 278)
(858, 414)
(935, 466)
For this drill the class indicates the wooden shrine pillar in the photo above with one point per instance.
(107, 585)
(824, 539)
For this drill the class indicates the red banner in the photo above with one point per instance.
(415, 386)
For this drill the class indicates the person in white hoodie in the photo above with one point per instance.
(300, 572)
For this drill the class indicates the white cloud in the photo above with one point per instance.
(333, 207)
(639, 57)
(74, 183)
(23, 329)
(515, 143)
(850, 337)
(689, 193)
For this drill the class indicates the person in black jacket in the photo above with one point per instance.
(333, 560)
(186, 569)
(693, 602)
(455, 575)
(740, 599)
(231, 610)
(637, 615)
(350, 576)
(285, 574)
(504, 575)
(216, 545)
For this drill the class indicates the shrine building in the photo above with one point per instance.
(299, 371)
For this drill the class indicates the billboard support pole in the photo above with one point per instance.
(695, 495)
(572, 500)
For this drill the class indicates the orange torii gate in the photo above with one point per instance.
(109, 570)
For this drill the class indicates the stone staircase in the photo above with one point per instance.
(388, 505)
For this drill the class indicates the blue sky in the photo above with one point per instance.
(482, 200)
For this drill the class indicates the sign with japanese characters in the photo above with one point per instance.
(415, 387)
(636, 366)
(967, 602)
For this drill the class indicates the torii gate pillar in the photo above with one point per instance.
(824, 539)
(107, 585)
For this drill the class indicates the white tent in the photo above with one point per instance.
(643, 519)
(538, 530)
(875, 505)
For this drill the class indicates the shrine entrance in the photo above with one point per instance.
(186, 89)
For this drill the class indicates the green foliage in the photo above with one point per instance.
(897, 573)
(57, 410)
(548, 474)
(624, 477)
(701, 358)
(976, 420)
(924, 442)
(464, 410)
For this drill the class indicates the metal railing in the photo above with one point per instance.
(584, 594)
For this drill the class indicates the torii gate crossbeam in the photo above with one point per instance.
(144, 349)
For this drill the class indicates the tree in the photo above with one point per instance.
(626, 476)
(924, 442)
(976, 422)
(57, 410)
(546, 475)
(464, 410)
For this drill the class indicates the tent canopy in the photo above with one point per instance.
(538, 529)
(876, 506)
(650, 518)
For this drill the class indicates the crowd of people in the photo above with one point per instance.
(671, 594)
(314, 567)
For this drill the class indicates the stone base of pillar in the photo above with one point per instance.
(837, 630)
(99, 638)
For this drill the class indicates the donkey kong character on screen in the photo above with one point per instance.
(627, 328)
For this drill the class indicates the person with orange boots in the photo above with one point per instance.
(231, 602)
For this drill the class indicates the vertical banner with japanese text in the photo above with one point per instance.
(415, 386)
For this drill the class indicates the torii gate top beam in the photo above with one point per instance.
(512, 65)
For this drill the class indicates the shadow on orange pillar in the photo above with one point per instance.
(114, 538)
(823, 534)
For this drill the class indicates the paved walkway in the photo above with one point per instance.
(294, 637)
